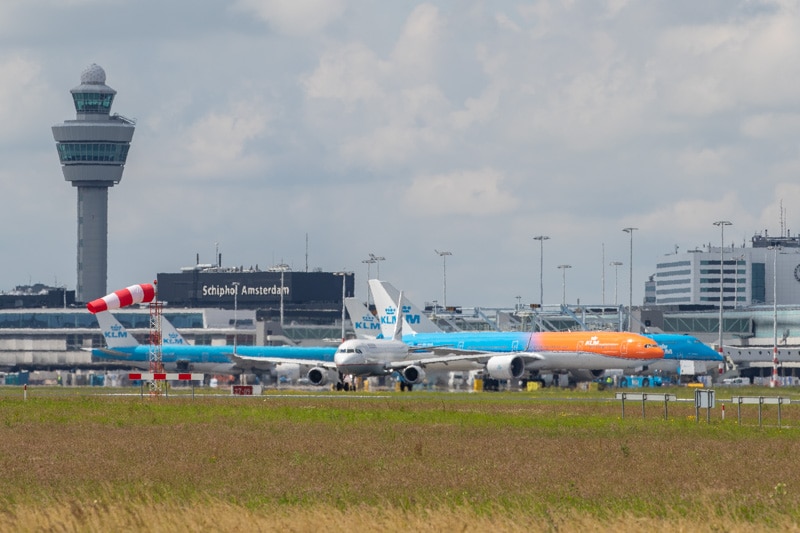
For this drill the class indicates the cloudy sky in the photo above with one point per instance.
(400, 128)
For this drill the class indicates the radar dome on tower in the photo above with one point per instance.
(93, 74)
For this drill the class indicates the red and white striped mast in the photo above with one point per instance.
(156, 363)
(142, 293)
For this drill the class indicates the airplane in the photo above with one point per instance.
(514, 353)
(179, 356)
(501, 355)
(677, 348)
(682, 349)
(365, 357)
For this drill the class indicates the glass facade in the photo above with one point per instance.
(84, 320)
(93, 102)
(89, 151)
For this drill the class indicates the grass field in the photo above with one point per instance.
(71, 460)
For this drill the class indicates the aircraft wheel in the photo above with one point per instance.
(402, 386)
(339, 386)
(410, 386)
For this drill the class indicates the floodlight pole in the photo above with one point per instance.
(721, 224)
(630, 281)
(541, 239)
(444, 255)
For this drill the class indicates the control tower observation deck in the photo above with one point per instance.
(93, 149)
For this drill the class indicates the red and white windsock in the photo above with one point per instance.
(144, 292)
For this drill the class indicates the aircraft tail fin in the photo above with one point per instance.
(115, 334)
(170, 335)
(385, 297)
(365, 324)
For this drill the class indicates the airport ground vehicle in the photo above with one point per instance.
(640, 381)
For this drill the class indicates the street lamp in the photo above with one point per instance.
(377, 259)
(541, 239)
(344, 275)
(630, 281)
(282, 268)
(774, 381)
(369, 262)
(444, 274)
(564, 284)
(721, 224)
(616, 265)
(235, 310)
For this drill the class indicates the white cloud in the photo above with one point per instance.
(771, 126)
(469, 192)
(705, 161)
(348, 73)
(217, 145)
(415, 52)
(22, 91)
(294, 17)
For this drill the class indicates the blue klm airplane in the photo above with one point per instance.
(179, 356)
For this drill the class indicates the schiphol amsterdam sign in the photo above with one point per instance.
(230, 290)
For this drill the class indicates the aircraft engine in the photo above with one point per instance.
(318, 376)
(505, 367)
(414, 374)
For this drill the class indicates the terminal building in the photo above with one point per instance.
(755, 283)
(44, 327)
(766, 272)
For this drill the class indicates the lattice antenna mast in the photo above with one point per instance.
(156, 363)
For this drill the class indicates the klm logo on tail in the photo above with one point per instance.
(367, 322)
(391, 316)
(116, 332)
(172, 338)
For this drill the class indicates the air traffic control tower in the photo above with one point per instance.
(93, 149)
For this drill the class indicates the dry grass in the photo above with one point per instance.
(436, 463)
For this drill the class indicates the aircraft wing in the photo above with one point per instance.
(111, 353)
(456, 356)
(250, 361)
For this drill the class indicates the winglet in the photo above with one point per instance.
(398, 325)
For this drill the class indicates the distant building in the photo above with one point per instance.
(749, 275)
(37, 296)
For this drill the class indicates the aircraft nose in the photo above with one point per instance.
(342, 358)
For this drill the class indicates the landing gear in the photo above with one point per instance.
(404, 386)
(344, 385)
